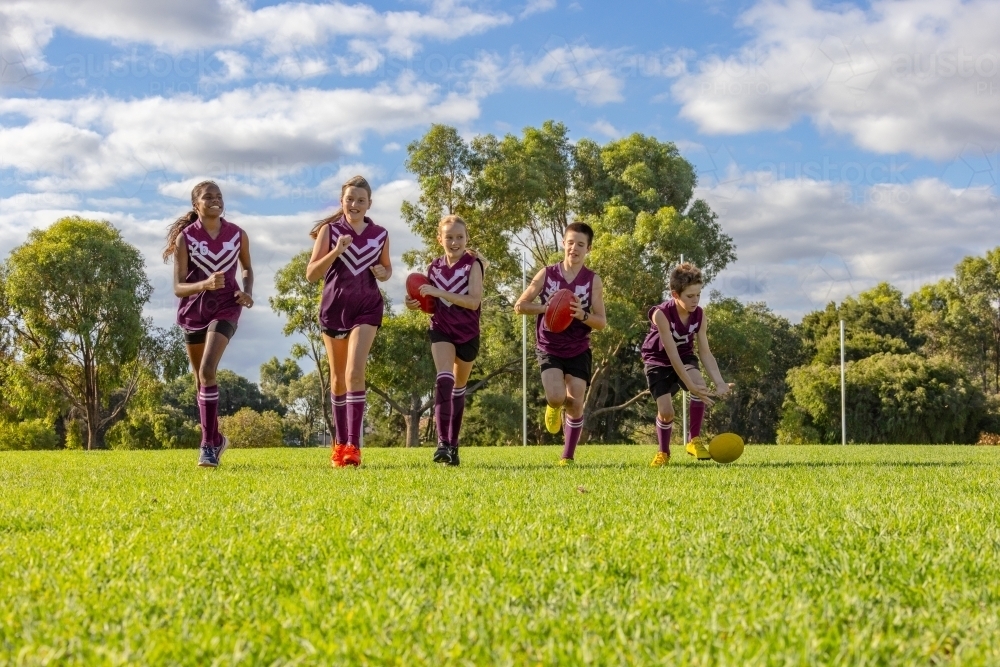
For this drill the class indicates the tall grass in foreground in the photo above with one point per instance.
(824, 555)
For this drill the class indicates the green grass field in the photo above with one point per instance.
(805, 555)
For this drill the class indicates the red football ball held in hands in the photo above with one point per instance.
(559, 311)
(414, 282)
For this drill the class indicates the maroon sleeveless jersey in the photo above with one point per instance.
(576, 338)
(350, 292)
(457, 324)
(205, 257)
(653, 353)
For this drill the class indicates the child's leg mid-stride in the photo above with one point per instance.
(444, 398)
(205, 358)
(576, 391)
(664, 430)
(348, 357)
(336, 354)
(696, 445)
(449, 400)
(554, 383)
(463, 369)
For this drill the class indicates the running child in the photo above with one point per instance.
(205, 249)
(670, 362)
(565, 357)
(456, 281)
(350, 253)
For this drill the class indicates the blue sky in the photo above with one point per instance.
(841, 144)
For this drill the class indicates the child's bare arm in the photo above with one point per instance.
(709, 362)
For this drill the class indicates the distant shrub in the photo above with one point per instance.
(248, 428)
(28, 434)
(891, 398)
(492, 419)
(162, 428)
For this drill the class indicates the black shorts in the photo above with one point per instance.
(663, 379)
(337, 334)
(579, 366)
(467, 351)
(224, 327)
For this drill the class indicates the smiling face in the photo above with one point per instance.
(208, 202)
(454, 238)
(689, 298)
(355, 202)
(575, 247)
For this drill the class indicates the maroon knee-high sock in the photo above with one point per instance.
(442, 405)
(208, 411)
(457, 411)
(697, 416)
(339, 418)
(663, 432)
(355, 416)
(572, 429)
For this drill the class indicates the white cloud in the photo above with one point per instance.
(587, 72)
(607, 129)
(260, 136)
(26, 26)
(904, 76)
(537, 7)
(803, 242)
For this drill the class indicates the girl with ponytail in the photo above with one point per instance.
(350, 253)
(206, 248)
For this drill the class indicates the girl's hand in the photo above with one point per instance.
(429, 290)
(723, 389)
(412, 304)
(215, 281)
(342, 242)
(380, 272)
(244, 299)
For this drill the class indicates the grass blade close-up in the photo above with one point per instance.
(792, 555)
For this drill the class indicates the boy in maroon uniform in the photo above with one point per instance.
(350, 253)
(565, 357)
(670, 362)
(456, 281)
(205, 249)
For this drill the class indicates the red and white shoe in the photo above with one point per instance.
(337, 455)
(352, 455)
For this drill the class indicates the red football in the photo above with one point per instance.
(559, 311)
(413, 283)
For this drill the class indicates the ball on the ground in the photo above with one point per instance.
(414, 282)
(725, 447)
(559, 311)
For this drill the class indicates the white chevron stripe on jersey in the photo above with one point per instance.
(222, 264)
(447, 284)
(357, 259)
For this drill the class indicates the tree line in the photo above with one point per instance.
(81, 367)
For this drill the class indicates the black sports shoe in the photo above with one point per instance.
(443, 453)
(454, 456)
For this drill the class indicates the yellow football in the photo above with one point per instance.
(725, 447)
